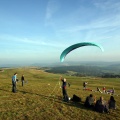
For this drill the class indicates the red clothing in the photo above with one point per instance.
(104, 88)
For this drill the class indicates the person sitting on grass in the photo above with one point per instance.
(90, 101)
(112, 91)
(104, 90)
(88, 89)
(101, 106)
(98, 89)
(112, 103)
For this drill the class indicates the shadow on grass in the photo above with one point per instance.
(5, 90)
(44, 96)
(76, 104)
(58, 99)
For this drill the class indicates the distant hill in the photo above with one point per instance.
(92, 68)
(88, 69)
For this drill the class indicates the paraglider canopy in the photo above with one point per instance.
(72, 47)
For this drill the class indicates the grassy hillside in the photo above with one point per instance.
(41, 97)
(87, 70)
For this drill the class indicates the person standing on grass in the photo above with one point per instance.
(64, 91)
(14, 77)
(84, 85)
(22, 80)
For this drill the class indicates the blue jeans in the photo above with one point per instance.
(14, 87)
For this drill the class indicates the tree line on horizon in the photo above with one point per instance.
(82, 71)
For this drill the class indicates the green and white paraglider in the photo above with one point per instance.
(72, 47)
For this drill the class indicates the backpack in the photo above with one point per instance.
(76, 98)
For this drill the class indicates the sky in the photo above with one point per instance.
(37, 31)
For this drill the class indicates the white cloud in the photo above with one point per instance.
(33, 42)
(111, 23)
(52, 7)
(107, 5)
(104, 20)
(51, 10)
